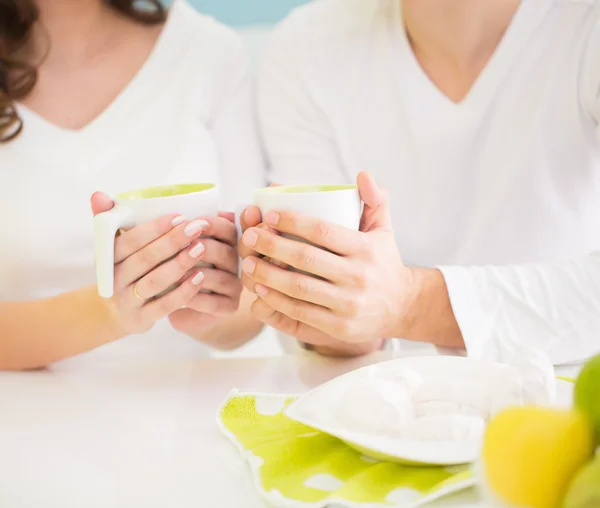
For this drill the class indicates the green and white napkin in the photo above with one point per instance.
(297, 467)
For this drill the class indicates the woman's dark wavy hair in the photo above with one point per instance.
(18, 77)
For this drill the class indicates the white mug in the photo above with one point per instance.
(137, 207)
(338, 204)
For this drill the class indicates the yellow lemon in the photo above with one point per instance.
(584, 491)
(530, 454)
(587, 392)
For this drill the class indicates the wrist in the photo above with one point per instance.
(426, 314)
(104, 313)
(411, 286)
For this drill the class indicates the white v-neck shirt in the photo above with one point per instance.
(187, 116)
(508, 177)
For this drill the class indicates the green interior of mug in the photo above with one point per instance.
(304, 189)
(165, 191)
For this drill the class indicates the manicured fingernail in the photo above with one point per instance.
(195, 227)
(272, 218)
(250, 238)
(180, 219)
(248, 265)
(198, 278)
(197, 250)
(261, 290)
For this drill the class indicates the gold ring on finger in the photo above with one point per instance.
(135, 292)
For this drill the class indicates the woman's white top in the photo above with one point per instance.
(501, 190)
(187, 116)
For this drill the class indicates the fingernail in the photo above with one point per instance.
(180, 219)
(272, 218)
(250, 238)
(248, 265)
(198, 278)
(195, 227)
(197, 250)
(261, 290)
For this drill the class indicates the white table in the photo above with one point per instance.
(143, 436)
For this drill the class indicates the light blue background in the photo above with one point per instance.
(247, 12)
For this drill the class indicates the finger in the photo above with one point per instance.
(296, 285)
(163, 276)
(244, 250)
(220, 255)
(221, 282)
(301, 331)
(215, 305)
(174, 300)
(313, 315)
(332, 237)
(376, 212)
(338, 349)
(101, 203)
(300, 255)
(221, 229)
(143, 235)
(165, 247)
(190, 322)
(230, 216)
(250, 217)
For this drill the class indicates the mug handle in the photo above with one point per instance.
(106, 225)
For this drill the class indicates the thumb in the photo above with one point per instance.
(376, 211)
(101, 203)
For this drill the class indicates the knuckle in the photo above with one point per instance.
(298, 312)
(359, 279)
(305, 257)
(225, 306)
(323, 230)
(182, 263)
(286, 325)
(269, 246)
(148, 258)
(299, 287)
(223, 280)
(352, 307)
(173, 243)
(151, 285)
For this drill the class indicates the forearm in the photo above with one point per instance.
(36, 333)
(428, 316)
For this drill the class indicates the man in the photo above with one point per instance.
(480, 119)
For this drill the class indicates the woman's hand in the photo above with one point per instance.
(363, 290)
(222, 280)
(153, 257)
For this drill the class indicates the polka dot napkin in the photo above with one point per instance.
(297, 467)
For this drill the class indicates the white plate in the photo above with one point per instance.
(315, 410)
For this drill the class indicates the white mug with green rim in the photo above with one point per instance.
(137, 207)
(338, 204)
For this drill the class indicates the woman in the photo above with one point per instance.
(481, 120)
(118, 95)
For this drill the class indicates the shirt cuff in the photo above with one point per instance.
(466, 305)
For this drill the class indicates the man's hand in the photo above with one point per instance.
(363, 290)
